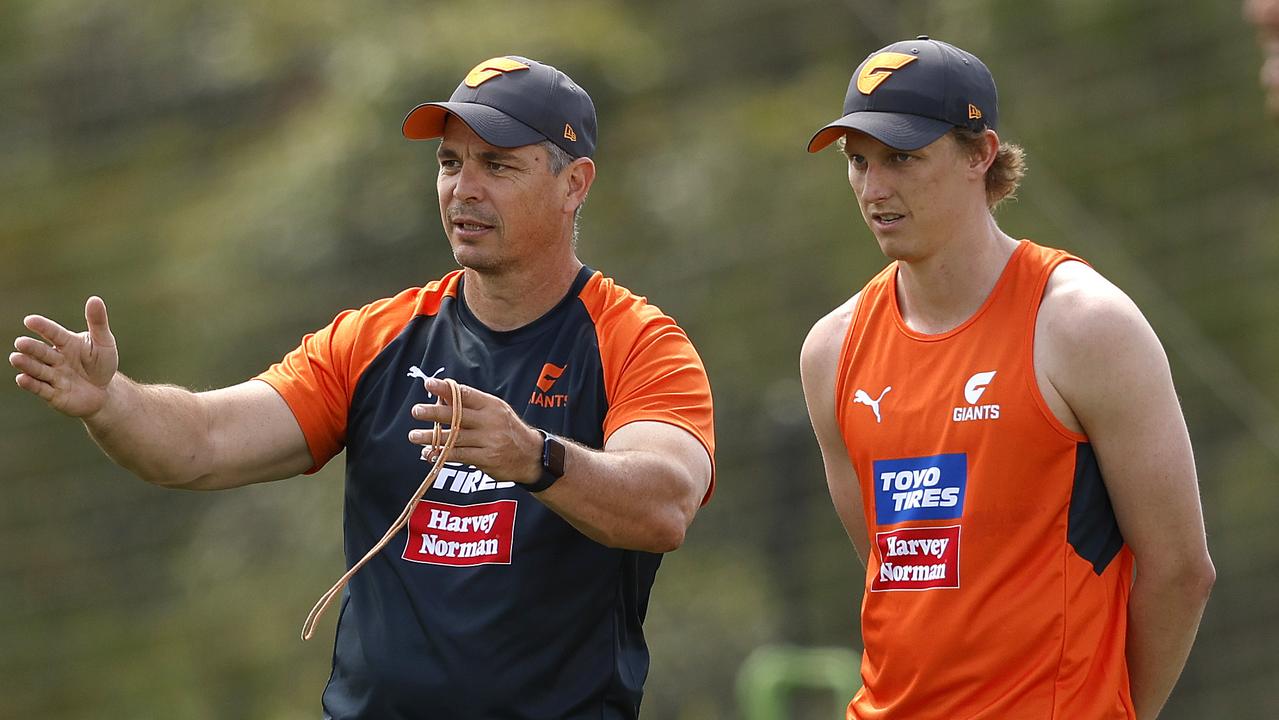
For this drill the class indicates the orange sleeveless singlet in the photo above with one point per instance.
(997, 583)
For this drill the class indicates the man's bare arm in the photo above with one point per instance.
(818, 363)
(1103, 358)
(166, 435)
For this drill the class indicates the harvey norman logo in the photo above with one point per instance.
(924, 558)
(461, 535)
(973, 390)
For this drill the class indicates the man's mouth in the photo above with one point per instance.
(468, 221)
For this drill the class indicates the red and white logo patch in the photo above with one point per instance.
(917, 559)
(460, 535)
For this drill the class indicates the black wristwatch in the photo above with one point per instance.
(552, 462)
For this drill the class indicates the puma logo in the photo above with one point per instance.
(416, 372)
(861, 398)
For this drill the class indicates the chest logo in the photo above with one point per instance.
(860, 397)
(973, 390)
(416, 372)
(542, 396)
(461, 535)
(917, 558)
(920, 488)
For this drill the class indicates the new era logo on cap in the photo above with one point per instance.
(513, 101)
(910, 93)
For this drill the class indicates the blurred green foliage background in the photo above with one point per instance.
(228, 176)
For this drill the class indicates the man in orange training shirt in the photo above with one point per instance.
(519, 587)
(1000, 433)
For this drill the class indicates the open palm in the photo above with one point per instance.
(70, 371)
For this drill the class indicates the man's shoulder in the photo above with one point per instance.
(819, 355)
(1090, 332)
(410, 302)
(611, 304)
(1080, 305)
(829, 330)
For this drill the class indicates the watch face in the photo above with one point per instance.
(553, 456)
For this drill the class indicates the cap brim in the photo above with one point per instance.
(896, 130)
(495, 127)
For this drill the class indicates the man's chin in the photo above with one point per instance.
(477, 261)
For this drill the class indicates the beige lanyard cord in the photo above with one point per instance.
(455, 422)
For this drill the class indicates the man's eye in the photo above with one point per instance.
(496, 167)
(858, 160)
(450, 164)
(900, 157)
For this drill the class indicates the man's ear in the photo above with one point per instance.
(581, 173)
(981, 161)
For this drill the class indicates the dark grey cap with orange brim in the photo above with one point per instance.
(513, 101)
(910, 93)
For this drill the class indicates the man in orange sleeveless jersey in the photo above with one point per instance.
(999, 430)
(520, 585)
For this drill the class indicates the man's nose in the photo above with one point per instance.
(875, 185)
(466, 183)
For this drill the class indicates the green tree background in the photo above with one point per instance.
(231, 175)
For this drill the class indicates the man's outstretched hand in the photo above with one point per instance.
(69, 371)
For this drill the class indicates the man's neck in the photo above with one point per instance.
(940, 292)
(513, 299)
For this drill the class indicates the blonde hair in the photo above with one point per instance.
(1005, 174)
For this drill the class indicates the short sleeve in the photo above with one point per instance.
(314, 380)
(317, 379)
(651, 369)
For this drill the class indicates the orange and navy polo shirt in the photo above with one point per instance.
(489, 604)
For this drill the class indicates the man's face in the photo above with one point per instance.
(501, 207)
(909, 199)
(1265, 15)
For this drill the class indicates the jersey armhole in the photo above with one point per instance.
(1032, 375)
(845, 358)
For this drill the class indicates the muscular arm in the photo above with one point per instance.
(639, 493)
(211, 440)
(818, 361)
(164, 434)
(1102, 359)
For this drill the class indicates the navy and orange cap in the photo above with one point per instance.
(512, 101)
(910, 93)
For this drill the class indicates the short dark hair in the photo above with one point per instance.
(556, 160)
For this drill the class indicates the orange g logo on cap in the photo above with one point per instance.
(490, 69)
(877, 69)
